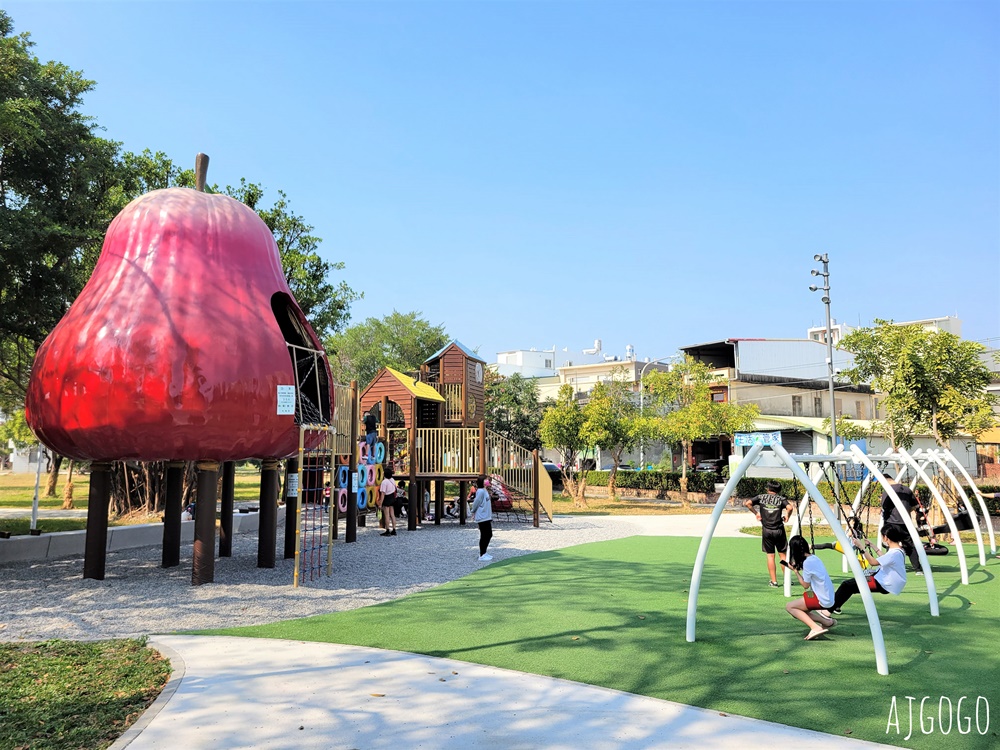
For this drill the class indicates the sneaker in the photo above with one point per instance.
(384, 533)
(774, 584)
(834, 611)
(392, 533)
(485, 558)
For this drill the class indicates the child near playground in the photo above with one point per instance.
(773, 511)
(891, 517)
(399, 507)
(812, 608)
(371, 426)
(387, 493)
(890, 578)
(482, 510)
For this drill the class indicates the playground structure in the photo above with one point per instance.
(812, 495)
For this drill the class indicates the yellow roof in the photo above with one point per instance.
(418, 389)
(990, 436)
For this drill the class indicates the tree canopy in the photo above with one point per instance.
(561, 429)
(932, 381)
(402, 341)
(611, 421)
(513, 409)
(683, 410)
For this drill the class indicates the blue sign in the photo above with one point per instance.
(752, 438)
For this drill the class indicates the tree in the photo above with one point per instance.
(561, 429)
(683, 410)
(402, 341)
(611, 420)
(56, 199)
(512, 408)
(932, 380)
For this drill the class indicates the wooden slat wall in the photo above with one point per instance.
(343, 415)
(511, 461)
(448, 451)
(387, 385)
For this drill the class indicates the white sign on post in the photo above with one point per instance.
(293, 486)
(286, 399)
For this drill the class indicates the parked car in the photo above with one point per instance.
(555, 474)
(713, 465)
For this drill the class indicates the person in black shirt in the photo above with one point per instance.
(891, 517)
(370, 431)
(773, 511)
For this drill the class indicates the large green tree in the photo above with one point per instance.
(611, 421)
(56, 199)
(513, 409)
(402, 341)
(683, 410)
(932, 381)
(562, 430)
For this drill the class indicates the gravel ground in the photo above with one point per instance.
(50, 599)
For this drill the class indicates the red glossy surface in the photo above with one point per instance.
(171, 350)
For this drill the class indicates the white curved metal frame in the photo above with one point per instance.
(881, 659)
(949, 456)
(920, 473)
(936, 456)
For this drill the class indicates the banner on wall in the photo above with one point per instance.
(752, 438)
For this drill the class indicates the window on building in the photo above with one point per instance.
(719, 397)
(548, 364)
(796, 406)
(860, 409)
(817, 407)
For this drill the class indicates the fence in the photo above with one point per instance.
(448, 451)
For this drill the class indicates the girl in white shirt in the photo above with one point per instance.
(811, 609)
(890, 578)
(482, 510)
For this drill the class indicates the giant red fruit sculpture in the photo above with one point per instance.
(176, 346)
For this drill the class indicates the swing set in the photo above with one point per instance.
(847, 527)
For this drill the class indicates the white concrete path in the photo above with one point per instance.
(232, 693)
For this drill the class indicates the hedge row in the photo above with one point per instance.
(653, 480)
(753, 486)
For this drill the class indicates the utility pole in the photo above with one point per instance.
(825, 275)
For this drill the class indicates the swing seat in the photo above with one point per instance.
(935, 549)
(963, 522)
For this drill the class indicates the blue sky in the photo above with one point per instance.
(531, 174)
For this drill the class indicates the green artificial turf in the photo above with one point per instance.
(614, 613)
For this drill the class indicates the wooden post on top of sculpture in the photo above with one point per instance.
(351, 525)
(205, 502)
(411, 519)
(96, 543)
(171, 553)
(267, 538)
(383, 419)
(291, 505)
(536, 467)
(226, 509)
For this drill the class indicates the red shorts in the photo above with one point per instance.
(812, 603)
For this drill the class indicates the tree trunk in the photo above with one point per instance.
(611, 482)
(580, 498)
(50, 487)
(68, 489)
(685, 503)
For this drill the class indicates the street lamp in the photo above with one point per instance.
(642, 373)
(825, 275)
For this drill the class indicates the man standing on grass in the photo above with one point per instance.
(773, 511)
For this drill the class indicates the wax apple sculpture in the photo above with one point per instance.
(172, 350)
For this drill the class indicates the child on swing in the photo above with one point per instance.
(890, 578)
(812, 608)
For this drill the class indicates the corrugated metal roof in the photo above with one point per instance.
(465, 350)
(418, 389)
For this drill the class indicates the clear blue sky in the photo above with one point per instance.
(531, 174)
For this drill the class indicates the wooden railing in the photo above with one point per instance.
(448, 450)
(511, 461)
(452, 393)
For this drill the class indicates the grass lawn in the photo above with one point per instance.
(64, 694)
(613, 614)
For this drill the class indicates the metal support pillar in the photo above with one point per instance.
(267, 539)
(291, 505)
(171, 554)
(96, 544)
(226, 509)
(206, 499)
